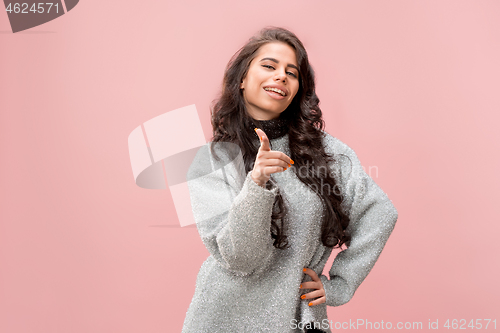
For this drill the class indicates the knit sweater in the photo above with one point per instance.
(248, 285)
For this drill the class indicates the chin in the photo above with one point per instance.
(275, 113)
(275, 110)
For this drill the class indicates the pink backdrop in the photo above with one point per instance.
(412, 86)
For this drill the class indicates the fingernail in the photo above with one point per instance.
(300, 286)
(285, 169)
(291, 161)
(310, 303)
(255, 129)
(304, 269)
(303, 296)
(289, 165)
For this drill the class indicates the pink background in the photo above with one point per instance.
(412, 86)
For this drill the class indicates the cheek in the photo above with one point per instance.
(254, 88)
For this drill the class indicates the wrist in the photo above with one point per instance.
(261, 184)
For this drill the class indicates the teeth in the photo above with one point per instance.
(276, 90)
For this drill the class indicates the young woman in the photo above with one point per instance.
(271, 221)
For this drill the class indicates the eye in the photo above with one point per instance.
(291, 73)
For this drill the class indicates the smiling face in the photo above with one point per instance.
(274, 66)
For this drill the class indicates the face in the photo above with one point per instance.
(274, 66)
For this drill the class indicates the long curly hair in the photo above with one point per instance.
(229, 117)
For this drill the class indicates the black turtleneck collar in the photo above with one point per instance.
(274, 128)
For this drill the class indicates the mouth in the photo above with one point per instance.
(274, 95)
(276, 91)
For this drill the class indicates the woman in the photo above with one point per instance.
(271, 222)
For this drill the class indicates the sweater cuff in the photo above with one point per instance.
(271, 188)
(336, 290)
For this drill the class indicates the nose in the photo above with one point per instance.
(280, 77)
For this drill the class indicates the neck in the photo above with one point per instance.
(274, 128)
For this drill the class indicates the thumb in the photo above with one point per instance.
(264, 141)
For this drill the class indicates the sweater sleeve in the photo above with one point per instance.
(372, 219)
(232, 213)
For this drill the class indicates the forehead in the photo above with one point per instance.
(278, 50)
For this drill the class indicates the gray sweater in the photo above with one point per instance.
(248, 285)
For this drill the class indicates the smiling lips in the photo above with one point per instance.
(276, 91)
(275, 95)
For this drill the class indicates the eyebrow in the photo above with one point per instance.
(277, 61)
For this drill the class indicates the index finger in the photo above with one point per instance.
(264, 145)
(264, 140)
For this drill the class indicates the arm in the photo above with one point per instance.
(233, 217)
(372, 219)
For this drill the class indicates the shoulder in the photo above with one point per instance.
(337, 148)
(345, 163)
